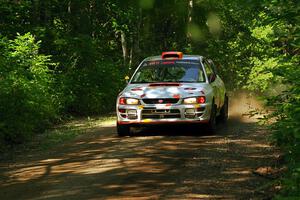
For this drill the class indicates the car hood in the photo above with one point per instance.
(165, 90)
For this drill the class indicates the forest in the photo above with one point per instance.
(62, 58)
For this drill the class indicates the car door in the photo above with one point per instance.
(220, 84)
(212, 78)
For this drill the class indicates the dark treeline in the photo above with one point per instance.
(69, 57)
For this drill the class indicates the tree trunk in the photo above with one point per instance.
(190, 11)
(136, 51)
(130, 58)
(124, 47)
(189, 23)
(69, 7)
(35, 17)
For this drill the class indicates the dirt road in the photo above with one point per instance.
(162, 163)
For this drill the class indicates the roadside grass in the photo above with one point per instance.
(71, 129)
(59, 134)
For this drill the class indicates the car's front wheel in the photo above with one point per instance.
(212, 124)
(123, 130)
(224, 111)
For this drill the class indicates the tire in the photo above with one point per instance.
(212, 124)
(223, 117)
(123, 130)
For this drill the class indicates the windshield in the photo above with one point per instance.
(169, 71)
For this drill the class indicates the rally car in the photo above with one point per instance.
(172, 88)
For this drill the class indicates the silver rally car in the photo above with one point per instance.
(172, 88)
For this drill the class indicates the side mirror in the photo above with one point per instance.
(212, 78)
(126, 79)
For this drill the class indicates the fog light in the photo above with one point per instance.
(190, 111)
(132, 114)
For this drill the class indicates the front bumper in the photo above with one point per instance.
(163, 114)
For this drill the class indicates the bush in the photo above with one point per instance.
(287, 127)
(27, 100)
(95, 89)
(90, 80)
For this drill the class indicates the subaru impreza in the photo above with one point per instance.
(172, 88)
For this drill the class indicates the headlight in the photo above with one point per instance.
(131, 101)
(191, 100)
(128, 101)
(194, 100)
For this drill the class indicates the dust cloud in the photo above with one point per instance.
(241, 103)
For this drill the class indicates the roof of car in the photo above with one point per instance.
(185, 57)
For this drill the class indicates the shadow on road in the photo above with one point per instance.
(161, 163)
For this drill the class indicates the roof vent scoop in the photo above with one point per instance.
(172, 55)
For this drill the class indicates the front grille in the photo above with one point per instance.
(161, 114)
(160, 101)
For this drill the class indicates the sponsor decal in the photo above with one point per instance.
(197, 106)
(168, 62)
(190, 88)
(140, 107)
(136, 89)
(176, 96)
(152, 63)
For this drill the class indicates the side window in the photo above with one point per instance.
(201, 76)
(208, 69)
(213, 66)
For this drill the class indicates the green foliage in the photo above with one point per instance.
(27, 101)
(275, 71)
(95, 43)
(88, 80)
(287, 125)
